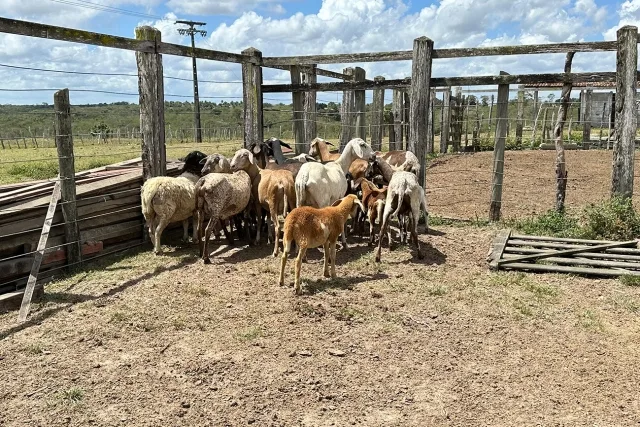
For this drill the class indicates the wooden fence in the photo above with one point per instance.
(413, 115)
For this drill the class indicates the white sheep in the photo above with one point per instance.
(171, 199)
(319, 185)
(406, 196)
(219, 196)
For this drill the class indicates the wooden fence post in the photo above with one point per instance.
(446, 120)
(430, 133)
(561, 167)
(359, 75)
(610, 119)
(252, 96)
(397, 109)
(377, 116)
(298, 110)
(520, 116)
(586, 116)
(64, 143)
(420, 101)
(151, 89)
(626, 120)
(347, 111)
(310, 126)
(502, 115)
(535, 104)
(405, 117)
(457, 120)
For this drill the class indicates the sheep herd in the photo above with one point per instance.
(309, 198)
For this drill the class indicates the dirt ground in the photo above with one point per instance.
(166, 340)
(459, 186)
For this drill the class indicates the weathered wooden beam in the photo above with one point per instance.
(42, 244)
(252, 97)
(377, 117)
(430, 123)
(405, 55)
(605, 272)
(347, 110)
(310, 116)
(359, 100)
(626, 121)
(499, 244)
(520, 115)
(64, 145)
(420, 107)
(586, 115)
(32, 29)
(498, 152)
(573, 251)
(594, 77)
(561, 167)
(446, 121)
(298, 110)
(397, 109)
(151, 89)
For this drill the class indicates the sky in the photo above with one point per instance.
(294, 27)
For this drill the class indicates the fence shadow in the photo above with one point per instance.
(68, 299)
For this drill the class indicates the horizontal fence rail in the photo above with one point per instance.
(598, 77)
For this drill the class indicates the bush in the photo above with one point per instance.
(35, 170)
(550, 223)
(614, 219)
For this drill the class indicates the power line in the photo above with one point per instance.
(110, 92)
(108, 74)
(95, 6)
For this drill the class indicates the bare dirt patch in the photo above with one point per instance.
(167, 340)
(459, 186)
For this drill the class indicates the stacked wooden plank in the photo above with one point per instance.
(109, 218)
(562, 255)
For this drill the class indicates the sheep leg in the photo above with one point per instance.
(276, 231)
(283, 260)
(372, 218)
(227, 234)
(162, 224)
(301, 254)
(207, 236)
(383, 229)
(151, 225)
(414, 232)
(185, 230)
(333, 259)
(201, 233)
(327, 258)
(344, 239)
(259, 215)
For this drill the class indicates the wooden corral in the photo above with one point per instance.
(109, 219)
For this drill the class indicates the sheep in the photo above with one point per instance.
(318, 149)
(215, 162)
(171, 199)
(373, 200)
(320, 185)
(271, 147)
(272, 190)
(310, 228)
(405, 195)
(402, 160)
(220, 196)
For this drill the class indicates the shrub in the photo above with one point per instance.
(35, 170)
(614, 219)
(550, 223)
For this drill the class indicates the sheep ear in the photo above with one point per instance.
(203, 161)
(255, 149)
(284, 144)
(328, 143)
(357, 183)
(252, 159)
(336, 203)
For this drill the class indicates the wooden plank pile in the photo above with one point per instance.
(563, 255)
(109, 217)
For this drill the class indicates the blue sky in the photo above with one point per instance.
(288, 27)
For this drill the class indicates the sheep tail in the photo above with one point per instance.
(401, 192)
(301, 187)
(285, 200)
(147, 194)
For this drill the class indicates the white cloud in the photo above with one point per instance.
(629, 14)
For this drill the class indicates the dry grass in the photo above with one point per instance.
(166, 340)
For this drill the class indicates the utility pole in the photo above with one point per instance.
(196, 101)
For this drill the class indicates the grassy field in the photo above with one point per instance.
(18, 165)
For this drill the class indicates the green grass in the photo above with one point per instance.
(629, 280)
(249, 334)
(588, 319)
(34, 348)
(73, 395)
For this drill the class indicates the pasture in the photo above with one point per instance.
(165, 340)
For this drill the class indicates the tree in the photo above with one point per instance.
(484, 100)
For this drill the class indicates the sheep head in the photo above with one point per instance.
(314, 150)
(361, 149)
(356, 203)
(242, 160)
(215, 163)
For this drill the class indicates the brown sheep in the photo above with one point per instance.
(273, 190)
(373, 199)
(310, 228)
